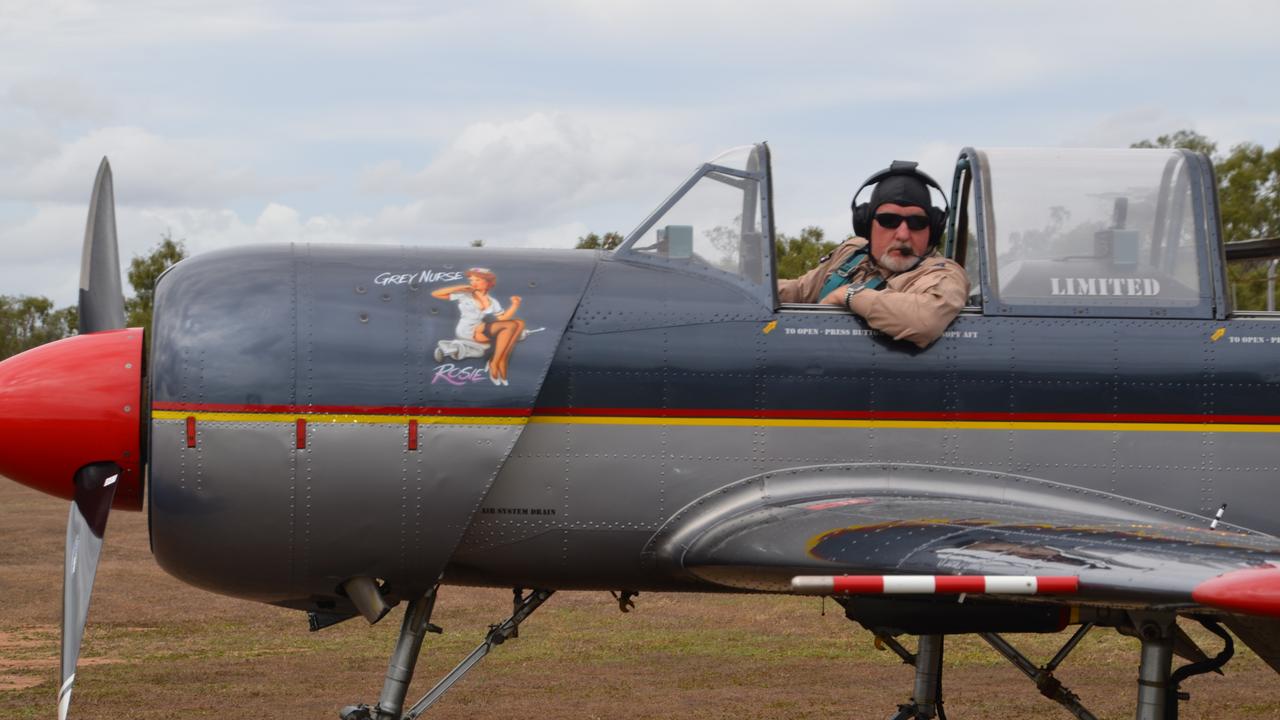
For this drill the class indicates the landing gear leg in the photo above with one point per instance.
(416, 624)
(1156, 633)
(926, 700)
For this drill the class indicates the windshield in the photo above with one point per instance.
(1093, 227)
(743, 157)
(716, 222)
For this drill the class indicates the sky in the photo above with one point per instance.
(530, 124)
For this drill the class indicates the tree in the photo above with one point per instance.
(1248, 183)
(1249, 192)
(478, 242)
(1249, 200)
(30, 321)
(144, 271)
(1187, 139)
(27, 322)
(799, 254)
(610, 241)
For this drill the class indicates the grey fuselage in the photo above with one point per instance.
(638, 389)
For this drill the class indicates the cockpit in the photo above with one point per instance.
(1041, 232)
(1089, 232)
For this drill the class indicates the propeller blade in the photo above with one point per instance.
(95, 486)
(101, 297)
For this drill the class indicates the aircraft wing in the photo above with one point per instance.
(872, 520)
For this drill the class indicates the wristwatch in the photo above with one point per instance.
(854, 289)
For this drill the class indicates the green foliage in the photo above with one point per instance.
(478, 242)
(1248, 183)
(1186, 139)
(610, 241)
(1249, 199)
(797, 255)
(144, 271)
(26, 322)
(1249, 192)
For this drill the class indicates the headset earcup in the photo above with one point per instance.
(862, 221)
(937, 224)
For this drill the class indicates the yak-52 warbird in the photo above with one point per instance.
(340, 428)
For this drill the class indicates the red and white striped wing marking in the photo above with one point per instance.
(935, 584)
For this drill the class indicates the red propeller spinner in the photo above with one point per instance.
(73, 403)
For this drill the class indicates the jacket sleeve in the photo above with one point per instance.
(808, 287)
(803, 288)
(921, 308)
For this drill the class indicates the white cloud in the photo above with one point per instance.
(205, 230)
(236, 122)
(22, 148)
(56, 98)
(937, 158)
(1121, 129)
(540, 169)
(558, 236)
(280, 222)
(148, 169)
(42, 252)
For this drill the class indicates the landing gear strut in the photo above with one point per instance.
(1154, 669)
(1158, 693)
(1158, 684)
(926, 698)
(416, 624)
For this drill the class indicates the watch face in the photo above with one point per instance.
(854, 289)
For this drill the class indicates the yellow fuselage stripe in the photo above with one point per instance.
(717, 422)
(910, 424)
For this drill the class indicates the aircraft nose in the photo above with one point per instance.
(71, 403)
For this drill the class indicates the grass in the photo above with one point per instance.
(155, 648)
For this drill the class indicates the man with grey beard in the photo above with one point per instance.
(890, 272)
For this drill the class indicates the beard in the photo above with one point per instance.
(900, 257)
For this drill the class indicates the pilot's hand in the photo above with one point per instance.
(835, 297)
(515, 300)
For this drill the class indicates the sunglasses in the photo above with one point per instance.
(891, 221)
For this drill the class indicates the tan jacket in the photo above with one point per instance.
(916, 305)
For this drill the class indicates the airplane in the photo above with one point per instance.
(338, 429)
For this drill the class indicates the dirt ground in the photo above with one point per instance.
(156, 648)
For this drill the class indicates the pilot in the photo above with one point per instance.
(890, 273)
